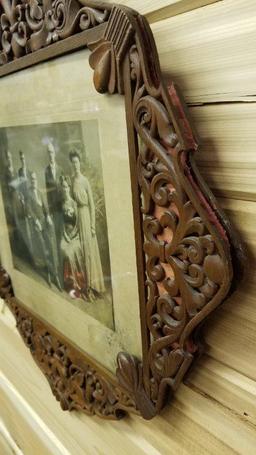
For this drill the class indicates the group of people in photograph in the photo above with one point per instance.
(54, 227)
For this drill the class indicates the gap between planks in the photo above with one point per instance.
(179, 7)
(248, 99)
(7, 442)
(236, 414)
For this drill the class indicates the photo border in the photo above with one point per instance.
(17, 133)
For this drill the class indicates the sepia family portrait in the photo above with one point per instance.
(53, 194)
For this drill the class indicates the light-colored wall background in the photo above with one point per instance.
(208, 47)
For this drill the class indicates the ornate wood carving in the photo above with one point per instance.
(188, 251)
(75, 383)
(28, 25)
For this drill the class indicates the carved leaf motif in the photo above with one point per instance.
(129, 374)
(102, 60)
(90, 17)
(28, 25)
(214, 268)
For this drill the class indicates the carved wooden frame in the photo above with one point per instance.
(186, 253)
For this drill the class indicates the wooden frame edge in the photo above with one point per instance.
(186, 250)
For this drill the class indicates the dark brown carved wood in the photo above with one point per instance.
(186, 252)
(75, 383)
(27, 26)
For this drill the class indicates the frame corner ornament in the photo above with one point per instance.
(188, 249)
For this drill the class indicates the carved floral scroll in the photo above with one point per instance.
(26, 26)
(188, 250)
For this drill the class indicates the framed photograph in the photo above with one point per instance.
(113, 250)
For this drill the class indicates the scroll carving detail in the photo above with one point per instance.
(28, 25)
(76, 384)
(188, 249)
(186, 244)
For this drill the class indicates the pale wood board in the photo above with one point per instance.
(5, 449)
(210, 52)
(173, 8)
(193, 424)
(226, 386)
(227, 158)
(231, 334)
(161, 9)
(8, 445)
(31, 434)
(231, 339)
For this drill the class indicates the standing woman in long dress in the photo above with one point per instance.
(73, 270)
(82, 194)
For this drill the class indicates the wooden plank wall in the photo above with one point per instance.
(208, 48)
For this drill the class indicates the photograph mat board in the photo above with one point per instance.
(40, 89)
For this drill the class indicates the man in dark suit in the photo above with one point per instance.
(53, 173)
(24, 176)
(9, 189)
(24, 179)
(44, 242)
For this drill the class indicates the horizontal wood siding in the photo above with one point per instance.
(208, 48)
